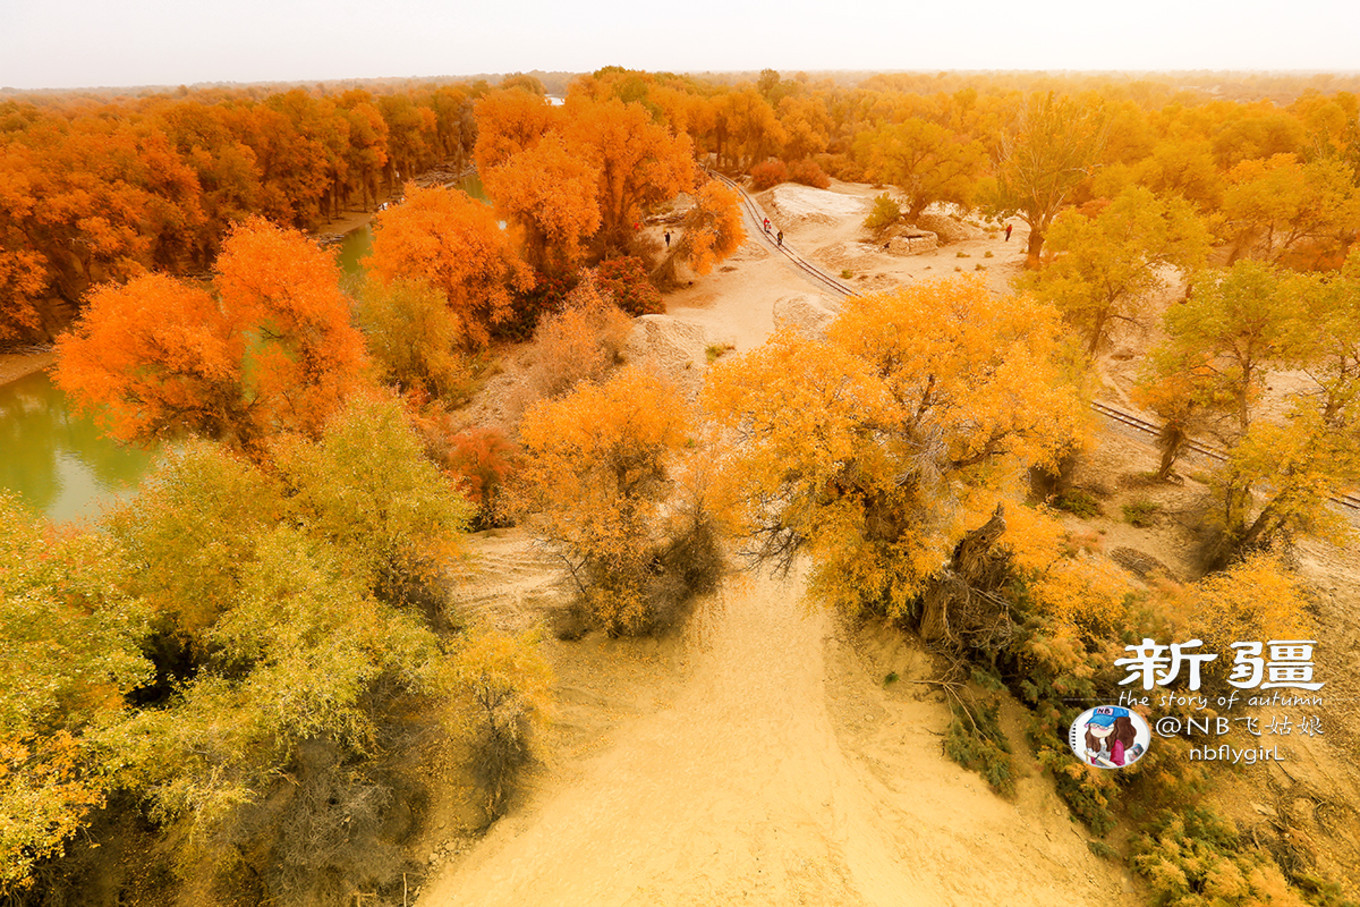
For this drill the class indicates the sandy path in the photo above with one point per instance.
(14, 366)
(741, 792)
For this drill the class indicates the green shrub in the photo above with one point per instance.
(1141, 513)
(1078, 502)
(975, 741)
(1102, 850)
(884, 213)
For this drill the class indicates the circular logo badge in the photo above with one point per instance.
(1109, 736)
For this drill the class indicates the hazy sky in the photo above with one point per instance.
(76, 43)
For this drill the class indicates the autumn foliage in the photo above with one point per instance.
(624, 282)
(876, 447)
(551, 194)
(97, 190)
(640, 163)
(452, 241)
(767, 174)
(712, 230)
(598, 468)
(270, 349)
(71, 652)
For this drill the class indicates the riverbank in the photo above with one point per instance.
(14, 366)
(353, 218)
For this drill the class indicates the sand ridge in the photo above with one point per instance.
(779, 774)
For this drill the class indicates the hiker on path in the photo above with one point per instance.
(767, 225)
(780, 239)
(1009, 228)
(668, 239)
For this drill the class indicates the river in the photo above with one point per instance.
(58, 462)
(62, 464)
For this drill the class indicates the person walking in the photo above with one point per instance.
(1009, 228)
(668, 239)
(780, 239)
(767, 225)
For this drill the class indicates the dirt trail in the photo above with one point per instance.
(779, 774)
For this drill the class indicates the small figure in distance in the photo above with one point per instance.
(767, 225)
(1009, 228)
(668, 239)
(780, 239)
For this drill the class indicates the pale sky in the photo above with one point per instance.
(83, 43)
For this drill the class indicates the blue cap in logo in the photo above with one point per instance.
(1105, 715)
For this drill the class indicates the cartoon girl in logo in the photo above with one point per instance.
(1110, 738)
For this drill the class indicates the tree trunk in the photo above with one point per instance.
(1036, 243)
(957, 607)
(1171, 440)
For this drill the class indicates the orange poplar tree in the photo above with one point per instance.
(452, 241)
(273, 350)
(509, 121)
(640, 163)
(551, 194)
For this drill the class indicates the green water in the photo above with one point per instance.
(59, 463)
(356, 245)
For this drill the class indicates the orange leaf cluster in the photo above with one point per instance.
(272, 350)
(452, 241)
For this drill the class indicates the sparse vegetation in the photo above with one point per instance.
(1141, 513)
(1078, 502)
(975, 741)
(884, 213)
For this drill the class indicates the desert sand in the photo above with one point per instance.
(776, 771)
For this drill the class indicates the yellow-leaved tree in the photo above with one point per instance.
(1210, 375)
(877, 447)
(598, 465)
(452, 242)
(1105, 268)
(711, 231)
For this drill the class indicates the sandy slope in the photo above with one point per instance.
(779, 774)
